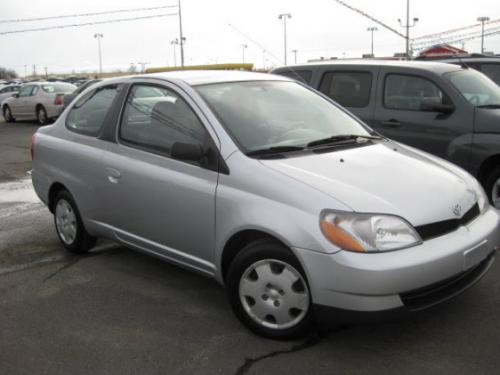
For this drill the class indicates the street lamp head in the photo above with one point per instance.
(97, 35)
(416, 19)
(483, 19)
(284, 15)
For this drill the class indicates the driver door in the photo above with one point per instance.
(401, 116)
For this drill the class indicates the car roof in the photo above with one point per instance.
(202, 77)
(473, 59)
(437, 67)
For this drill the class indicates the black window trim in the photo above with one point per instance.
(382, 97)
(325, 72)
(91, 93)
(217, 165)
(297, 77)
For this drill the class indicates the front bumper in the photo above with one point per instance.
(386, 281)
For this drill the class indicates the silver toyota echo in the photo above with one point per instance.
(278, 193)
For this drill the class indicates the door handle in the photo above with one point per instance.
(113, 175)
(392, 123)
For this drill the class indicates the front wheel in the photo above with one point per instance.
(41, 116)
(268, 291)
(69, 226)
(492, 187)
(7, 114)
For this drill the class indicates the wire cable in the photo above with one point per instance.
(87, 24)
(452, 31)
(366, 15)
(86, 14)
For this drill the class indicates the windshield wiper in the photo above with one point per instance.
(489, 106)
(274, 150)
(341, 139)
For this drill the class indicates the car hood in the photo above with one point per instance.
(386, 178)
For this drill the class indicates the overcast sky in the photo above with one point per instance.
(317, 28)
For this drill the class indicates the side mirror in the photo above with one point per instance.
(436, 105)
(186, 151)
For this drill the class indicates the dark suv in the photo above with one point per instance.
(445, 109)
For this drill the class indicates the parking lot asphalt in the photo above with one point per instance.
(115, 311)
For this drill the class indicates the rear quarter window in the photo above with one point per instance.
(89, 112)
(64, 88)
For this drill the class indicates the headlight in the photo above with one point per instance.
(367, 232)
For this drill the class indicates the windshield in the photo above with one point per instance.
(266, 114)
(478, 89)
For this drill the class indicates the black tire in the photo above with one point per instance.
(489, 185)
(82, 242)
(7, 114)
(41, 115)
(258, 251)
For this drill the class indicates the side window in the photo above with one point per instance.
(155, 118)
(349, 89)
(406, 92)
(492, 71)
(34, 91)
(299, 75)
(26, 90)
(88, 114)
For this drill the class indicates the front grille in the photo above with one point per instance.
(433, 294)
(440, 228)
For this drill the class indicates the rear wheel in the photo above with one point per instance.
(7, 114)
(268, 291)
(492, 187)
(41, 115)
(69, 226)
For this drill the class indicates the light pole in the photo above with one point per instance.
(482, 20)
(99, 37)
(294, 51)
(243, 48)
(143, 65)
(25, 71)
(46, 72)
(284, 16)
(408, 26)
(181, 37)
(372, 30)
(174, 43)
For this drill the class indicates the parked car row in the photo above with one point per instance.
(447, 110)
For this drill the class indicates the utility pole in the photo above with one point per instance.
(372, 30)
(294, 51)
(181, 37)
(25, 71)
(284, 16)
(482, 20)
(407, 27)
(243, 47)
(99, 37)
(46, 72)
(174, 43)
(34, 71)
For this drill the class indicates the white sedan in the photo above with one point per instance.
(41, 101)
